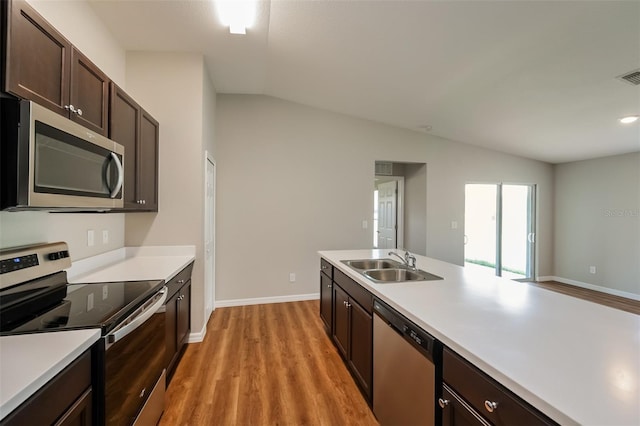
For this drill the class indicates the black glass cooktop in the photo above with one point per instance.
(85, 306)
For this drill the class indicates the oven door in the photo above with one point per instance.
(134, 362)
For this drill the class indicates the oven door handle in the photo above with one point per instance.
(120, 333)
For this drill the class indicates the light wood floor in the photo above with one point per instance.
(617, 302)
(264, 365)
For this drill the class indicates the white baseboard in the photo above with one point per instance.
(264, 300)
(592, 287)
(197, 337)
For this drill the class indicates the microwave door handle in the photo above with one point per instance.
(120, 333)
(116, 189)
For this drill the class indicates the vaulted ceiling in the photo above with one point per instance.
(532, 78)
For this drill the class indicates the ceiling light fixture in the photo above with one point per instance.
(238, 15)
(629, 119)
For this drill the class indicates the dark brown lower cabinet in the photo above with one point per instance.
(177, 318)
(361, 345)
(65, 400)
(353, 336)
(456, 412)
(475, 395)
(341, 320)
(326, 301)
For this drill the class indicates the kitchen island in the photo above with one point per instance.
(576, 361)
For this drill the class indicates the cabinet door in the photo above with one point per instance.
(38, 58)
(456, 412)
(171, 311)
(124, 118)
(361, 345)
(326, 299)
(80, 413)
(148, 162)
(89, 94)
(340, 319)
(184, 315)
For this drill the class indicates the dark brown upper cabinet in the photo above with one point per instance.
(132, 127)
(43, 66)
(89, 94)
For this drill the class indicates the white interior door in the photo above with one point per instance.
(209, 238)
(387, 215)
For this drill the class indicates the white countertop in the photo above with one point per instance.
(132, 264)
(29, 361)
(576, 361)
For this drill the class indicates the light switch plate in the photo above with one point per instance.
(91, 237)
(105, 236)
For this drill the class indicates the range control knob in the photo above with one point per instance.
(58, 255)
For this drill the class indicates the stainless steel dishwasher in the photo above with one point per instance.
(404, 373)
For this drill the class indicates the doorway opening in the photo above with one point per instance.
(400, 206)
(209, 235)
(388, 212)
(499, 228)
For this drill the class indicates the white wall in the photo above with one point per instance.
(597, 222)
(294, 179)
(415, 208)
(172, 87)
(78, 23)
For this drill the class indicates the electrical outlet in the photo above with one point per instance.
(105, 292)
(91, 237)
(592, 269)
(365, 224)
(105, 236)
(454, 224)
(292, 277)
(89, 302)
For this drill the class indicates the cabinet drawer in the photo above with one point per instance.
(355, 290)
(50, 402)
(179, 280)
(326, 268)
(480, 391)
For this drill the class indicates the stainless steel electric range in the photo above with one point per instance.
(128, 360)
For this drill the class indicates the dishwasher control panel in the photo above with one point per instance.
(405, 327)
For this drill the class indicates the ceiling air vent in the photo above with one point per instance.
(632, 77)
(384, 168)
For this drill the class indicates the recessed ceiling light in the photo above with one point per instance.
(238, 15)
(629, 119)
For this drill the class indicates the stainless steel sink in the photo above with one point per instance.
(399, 275)
(364, 264)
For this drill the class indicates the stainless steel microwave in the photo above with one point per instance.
(51, 163)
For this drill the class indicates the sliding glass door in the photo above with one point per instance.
(499, 229)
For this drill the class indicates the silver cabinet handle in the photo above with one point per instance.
(180, 281)
(348, 305)
(116, 189)
(328, 285)
(490, 406)
(70, 108)
(323, 267)
(443, 402)
(79, 112)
